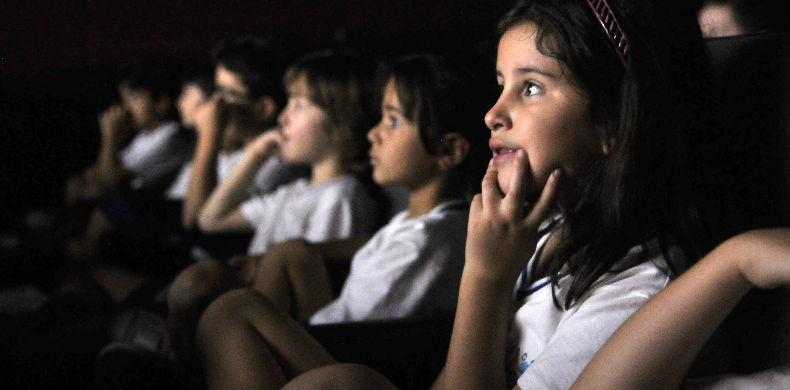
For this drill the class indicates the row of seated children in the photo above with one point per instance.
(558, 144)
(225, 122)
(247, 75)
(565, 141)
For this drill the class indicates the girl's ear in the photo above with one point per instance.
(265, 109)
(453, 150)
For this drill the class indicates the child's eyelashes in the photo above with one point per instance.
(531, 88)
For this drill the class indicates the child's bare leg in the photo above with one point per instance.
(340, 376)
(293, 275)
(248, 342)
(189, 294)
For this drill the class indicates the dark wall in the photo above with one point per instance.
(58, 59)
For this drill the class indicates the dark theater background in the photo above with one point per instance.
(58, 61)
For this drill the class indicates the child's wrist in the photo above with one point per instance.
(484, 275)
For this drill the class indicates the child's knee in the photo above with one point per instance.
(228, 306)
(195, 283)
(341, 376)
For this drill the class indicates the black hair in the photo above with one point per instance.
(650, 116)
(153, 74)
(201, 74)
(259, 61)
(445, 95)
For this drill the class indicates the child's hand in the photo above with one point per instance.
(266, 143)
(764, 256)
(210, 117)
(113, 122)
(502, 235)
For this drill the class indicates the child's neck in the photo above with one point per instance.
(425, 198)
(326, 170)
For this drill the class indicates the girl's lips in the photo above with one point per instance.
(373, 160)
(501, 156)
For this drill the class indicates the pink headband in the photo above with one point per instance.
(612, 29)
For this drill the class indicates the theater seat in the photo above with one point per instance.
(752, 74)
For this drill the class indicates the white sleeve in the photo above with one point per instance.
(166, 152)
(258, 209)
(587, 326)
(415, 274)
(337, 215)
(377, 285)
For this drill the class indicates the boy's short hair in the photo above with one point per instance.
(200, 73)
(258, 61)
(152, 74)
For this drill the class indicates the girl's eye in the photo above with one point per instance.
(393, 121)
(531, 89)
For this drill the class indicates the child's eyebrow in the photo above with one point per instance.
(528, 69)
(535, 70)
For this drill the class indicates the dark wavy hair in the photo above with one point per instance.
(341, 83)
(445, 95)
(651, 116)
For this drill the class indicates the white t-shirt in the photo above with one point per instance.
(548, 347)
(225, 163)
(410, 268)
(339, 208)
(151, 155)
(273, 173)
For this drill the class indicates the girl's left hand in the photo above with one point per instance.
(502, 235)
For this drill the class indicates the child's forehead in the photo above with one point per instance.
(518, 52)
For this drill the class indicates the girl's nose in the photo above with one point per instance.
(496, 118)
(373, 135)
(281, 119)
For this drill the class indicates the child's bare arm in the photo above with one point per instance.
(221, 211)
(677, 322)
(209, 124)
(500, 240)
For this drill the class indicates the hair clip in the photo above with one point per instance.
(613, 31)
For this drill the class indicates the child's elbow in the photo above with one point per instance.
(207, 223)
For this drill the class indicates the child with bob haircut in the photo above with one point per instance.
(592, 130)
(427, 142)
(322, 126)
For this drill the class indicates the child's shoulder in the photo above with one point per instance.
(445, 221)
(645, 265)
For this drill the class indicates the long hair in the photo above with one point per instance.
(641, 189)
